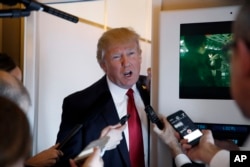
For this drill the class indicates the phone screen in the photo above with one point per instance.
(185, 126)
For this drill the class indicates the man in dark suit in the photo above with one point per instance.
(105, 102)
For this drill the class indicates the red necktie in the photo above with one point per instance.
(136, 152)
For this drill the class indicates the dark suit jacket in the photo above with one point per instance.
(94, 108)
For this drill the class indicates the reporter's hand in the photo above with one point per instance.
(45, 158)
(94, 160)
(169, 136)
(115, 134)
(204, 151)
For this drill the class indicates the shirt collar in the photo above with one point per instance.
(117, 92)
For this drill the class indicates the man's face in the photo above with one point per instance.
(122, 63)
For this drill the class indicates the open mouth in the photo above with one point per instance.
(128, 73)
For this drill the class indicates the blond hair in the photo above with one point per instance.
(115, 36)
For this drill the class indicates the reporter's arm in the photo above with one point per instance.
(47, 157)
(170, 137)
(94, 160)
(205, 151)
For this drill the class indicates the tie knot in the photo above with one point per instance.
(130, 93)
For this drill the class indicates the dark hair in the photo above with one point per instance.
(6, 62)
(15, 133)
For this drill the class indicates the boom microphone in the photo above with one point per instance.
(9, 2)
(34, 5)
(14, 13)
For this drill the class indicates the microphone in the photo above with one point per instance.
(9, 2)
(69, 136)
(14, 13)
(33, 5)
(153, 116)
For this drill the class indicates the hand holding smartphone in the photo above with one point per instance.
(89, 149)
(185, 127)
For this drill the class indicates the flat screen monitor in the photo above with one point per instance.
(204, 60)
(211, 103)
(203, 91)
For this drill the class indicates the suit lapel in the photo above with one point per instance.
(146, 100)
(112, 118)
(144, 93)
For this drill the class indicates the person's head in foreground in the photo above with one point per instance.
(7, 64)
(15, 143)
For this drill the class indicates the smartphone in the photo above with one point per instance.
(185, 127)
(153, 117)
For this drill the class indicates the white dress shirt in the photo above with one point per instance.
(120, 99)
